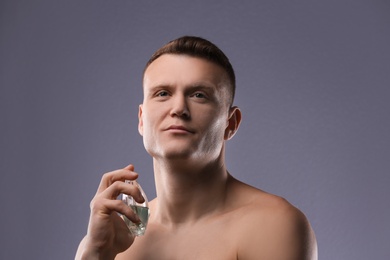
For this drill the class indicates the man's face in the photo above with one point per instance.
(185, 111)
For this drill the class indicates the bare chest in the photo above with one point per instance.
(214, 240)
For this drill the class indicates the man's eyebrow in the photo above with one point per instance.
(159, 86)
(195, 86)
(202, 85)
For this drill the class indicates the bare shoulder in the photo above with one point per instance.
(272, 228)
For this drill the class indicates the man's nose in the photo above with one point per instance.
(180, 107)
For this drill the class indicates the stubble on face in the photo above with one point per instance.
(180, 82)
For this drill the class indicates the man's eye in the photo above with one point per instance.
(199, 95)
(162, 94)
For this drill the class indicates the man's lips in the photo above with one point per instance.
(178, 129)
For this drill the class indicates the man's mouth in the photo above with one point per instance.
(179, 129)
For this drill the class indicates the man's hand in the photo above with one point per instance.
(107, 233)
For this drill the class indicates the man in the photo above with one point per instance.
(201, 211)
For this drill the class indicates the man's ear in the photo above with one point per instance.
(140, 121)
(233, 123)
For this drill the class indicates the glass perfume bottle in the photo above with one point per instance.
(141, 209)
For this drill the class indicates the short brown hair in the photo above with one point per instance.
(200, 48)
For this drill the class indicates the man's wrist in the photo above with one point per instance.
(86, 251)
(95, 255)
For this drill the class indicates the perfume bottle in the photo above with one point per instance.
(141, 209)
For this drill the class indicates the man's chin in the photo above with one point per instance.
(174, 156)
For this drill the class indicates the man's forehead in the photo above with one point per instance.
(172, 66)
(174, 56)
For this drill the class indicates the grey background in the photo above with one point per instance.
(313, 85)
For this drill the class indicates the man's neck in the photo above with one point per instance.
(188, 192)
